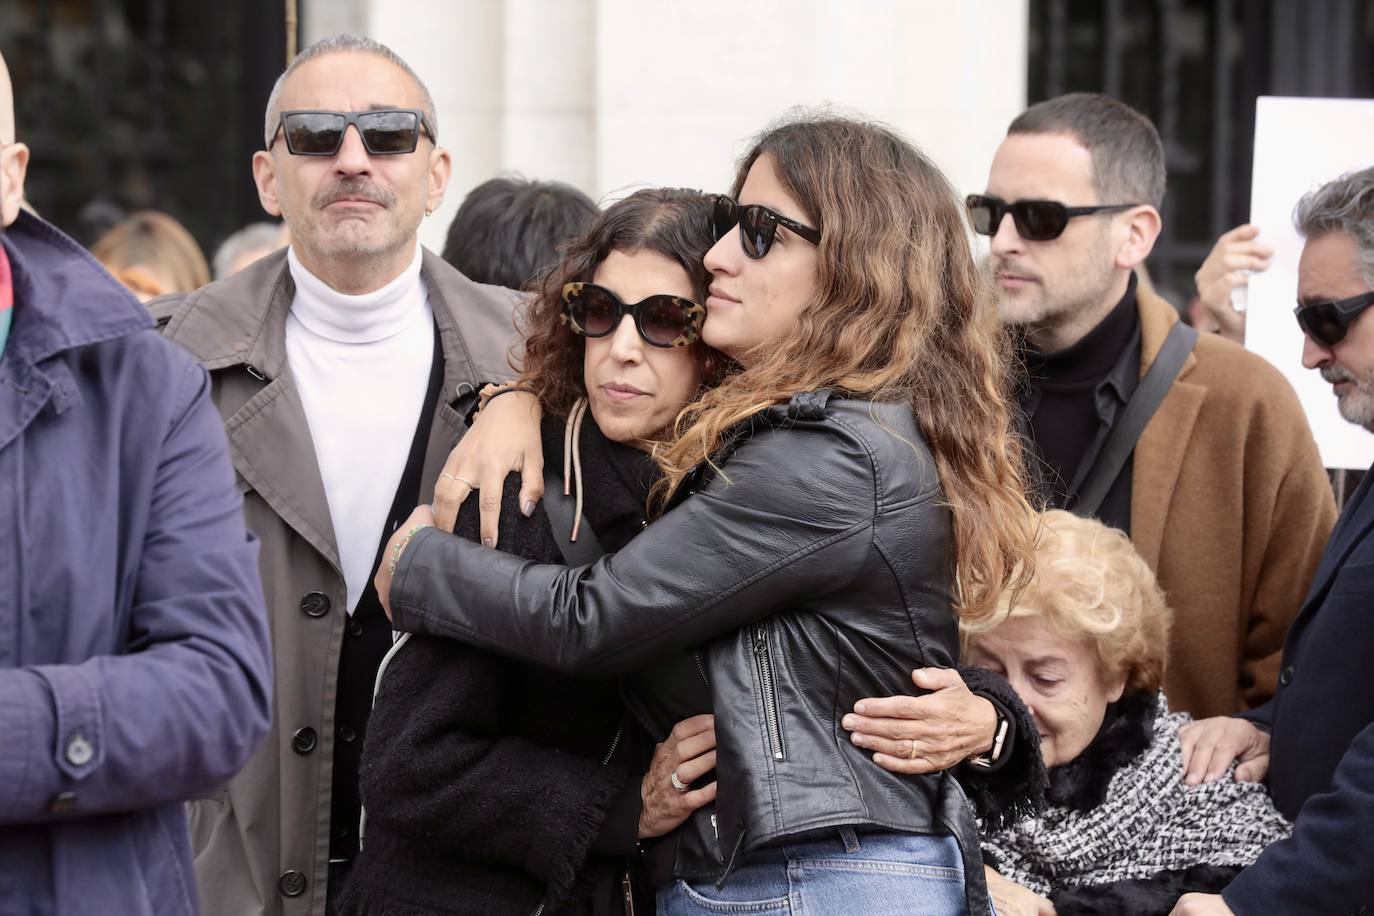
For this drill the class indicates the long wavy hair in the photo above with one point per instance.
(903, 312)
(673, 222)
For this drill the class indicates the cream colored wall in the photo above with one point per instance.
(610, 95)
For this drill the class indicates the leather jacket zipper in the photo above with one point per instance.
(615, 743)
(701, 666)
(770, 691)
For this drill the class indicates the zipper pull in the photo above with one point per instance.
(627, 886)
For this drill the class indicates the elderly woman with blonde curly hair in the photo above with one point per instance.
(1084, 645)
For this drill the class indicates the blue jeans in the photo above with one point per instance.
(872, 874)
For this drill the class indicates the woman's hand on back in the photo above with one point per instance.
(688, 754)
(928, 733)
(504, 438)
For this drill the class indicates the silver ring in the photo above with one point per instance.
(471, 485)
(678, 783)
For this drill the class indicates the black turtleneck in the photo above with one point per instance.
(1072, 397)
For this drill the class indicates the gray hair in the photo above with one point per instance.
(253, 236)
(1127, 154)
(341, 44)
(1344, 205)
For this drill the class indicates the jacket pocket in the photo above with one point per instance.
(763, 659)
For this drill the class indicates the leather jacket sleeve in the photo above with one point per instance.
(791, 512)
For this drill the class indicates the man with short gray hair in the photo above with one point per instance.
(342, 367)
(1314, 741)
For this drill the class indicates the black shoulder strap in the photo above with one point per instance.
(1134, 417)
(559, 508)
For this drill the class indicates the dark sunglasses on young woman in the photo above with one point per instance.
(1035, 220)
(757, 225)
(1328, 322)
(662, 320)
(385, 131)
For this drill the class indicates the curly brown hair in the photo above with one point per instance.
(903, 312)
(673, 222)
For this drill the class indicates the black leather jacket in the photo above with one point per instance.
(816, 569)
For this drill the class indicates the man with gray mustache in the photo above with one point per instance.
(342, 367)
(1313, 743)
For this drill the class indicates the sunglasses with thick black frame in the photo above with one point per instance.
(1327, 323)
(758, 225)
(384, 131)
(1035, 220)
(662, 320)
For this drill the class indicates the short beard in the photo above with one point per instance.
(1065, 299)
(346, 243)
(1356, 406)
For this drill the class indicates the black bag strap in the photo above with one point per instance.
(1134, 417)
(559, 508)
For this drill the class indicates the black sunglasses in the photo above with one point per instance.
(663, 320)
(1035, 220)
(1328, 322)
(385, 131)
(757, 225)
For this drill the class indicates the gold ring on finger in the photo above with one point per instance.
(911, 754)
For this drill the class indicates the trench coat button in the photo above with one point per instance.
(291, 883)
(62, 801)
(355, 628)
(1286, 676)
(303, 741)
(79, 751)
(347, 735)
(315, 604)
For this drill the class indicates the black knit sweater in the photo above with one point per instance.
(489, 785)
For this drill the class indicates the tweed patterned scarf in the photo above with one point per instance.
(1147, 822)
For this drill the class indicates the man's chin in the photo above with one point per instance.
(1018, 310)
(1356, 405)
(355, 240)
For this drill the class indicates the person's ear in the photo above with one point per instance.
(14, 163)
(1116, 687)
(265, 177)
(1142, 225)
(440, 170)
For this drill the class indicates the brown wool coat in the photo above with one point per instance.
(1231, 507)
(257, 838)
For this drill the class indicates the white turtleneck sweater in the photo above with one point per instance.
(362, 365)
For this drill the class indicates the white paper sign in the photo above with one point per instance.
(1300, 144)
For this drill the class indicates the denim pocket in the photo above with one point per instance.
(682, 899)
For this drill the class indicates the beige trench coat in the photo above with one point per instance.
(261, 844)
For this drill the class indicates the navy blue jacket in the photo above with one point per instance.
(135, 667)
(1321, 769)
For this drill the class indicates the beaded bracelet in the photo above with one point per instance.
(400, 548)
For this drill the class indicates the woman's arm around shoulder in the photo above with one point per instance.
(789, 516)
